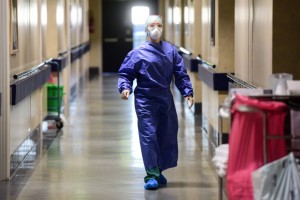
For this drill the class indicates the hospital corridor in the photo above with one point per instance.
(149, 100)
(97, 155)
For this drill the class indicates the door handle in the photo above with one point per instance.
(111, 39)
(128, 39)
(0, 104)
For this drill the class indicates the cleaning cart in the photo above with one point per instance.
(55, 94)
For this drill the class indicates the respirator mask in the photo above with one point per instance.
(155, 32)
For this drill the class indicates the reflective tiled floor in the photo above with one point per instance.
(97, 156)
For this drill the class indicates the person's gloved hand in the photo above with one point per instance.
(189, 100)
(125, 94)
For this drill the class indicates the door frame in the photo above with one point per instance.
(154, 9)
(5, 91)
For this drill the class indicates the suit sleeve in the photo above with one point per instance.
(182, 79)
(127, 73)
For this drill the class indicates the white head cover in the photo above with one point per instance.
(153, 18)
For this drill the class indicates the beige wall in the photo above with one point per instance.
(286, 37)
(197, 28)
(74, 23)
(177, 20)
(43, 21)
(41, 36)
(253, 36)
(196, 43)
(262, 42)
(5, 90)
(221, 54)
(62, 26)
(188, 25)
(64, 46)
(28, 52)
(197, 39)
(26, 115)
(85, 38)
(243, 40)
(52, 33)
(20, 124)
(193, 40)
(207, 49)
(169, 26)
(96, 36)
(267, 40)
(78, 36)
(57, 41)
(191, 35)
(225, 35)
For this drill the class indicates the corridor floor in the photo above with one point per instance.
(97, 154)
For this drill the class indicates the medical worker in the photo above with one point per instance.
(154, 64)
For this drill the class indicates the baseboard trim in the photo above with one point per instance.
(198, 108)
(94, 72)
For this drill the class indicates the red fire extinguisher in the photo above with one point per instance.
(91, 23)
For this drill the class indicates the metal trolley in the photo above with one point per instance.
(57, 65)
(289, 100)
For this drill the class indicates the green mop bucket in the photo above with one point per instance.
(54, 103)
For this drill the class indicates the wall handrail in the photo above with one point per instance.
(78, 51)
(205, 62)
(63, 53)
(185, 51)
(25, 83)
(30, 71)
(240, 82)
(218, 81)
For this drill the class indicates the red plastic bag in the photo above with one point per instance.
(51, 80)
(246, 143)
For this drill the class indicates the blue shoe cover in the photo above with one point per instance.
(162, 180)
(152, 184)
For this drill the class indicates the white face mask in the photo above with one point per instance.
(155, 33)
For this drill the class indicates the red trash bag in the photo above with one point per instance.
(51, 80)
(246, 143)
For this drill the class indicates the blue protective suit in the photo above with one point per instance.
(154, 65)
